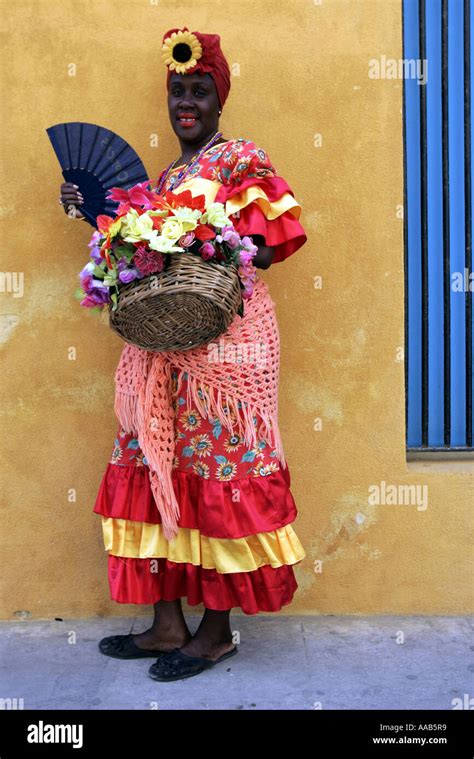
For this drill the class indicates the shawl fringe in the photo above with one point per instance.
(214, 405)
(125, 406)
(144, 399)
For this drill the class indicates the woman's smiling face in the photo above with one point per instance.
(193, 106)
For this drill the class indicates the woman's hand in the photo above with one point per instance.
(70, 198)
(263, 259)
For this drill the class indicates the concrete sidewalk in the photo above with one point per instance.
(283, 663)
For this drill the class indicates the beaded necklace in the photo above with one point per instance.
(178, 178)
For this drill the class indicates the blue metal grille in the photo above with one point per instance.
(438, 225)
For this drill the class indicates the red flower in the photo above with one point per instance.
(219, 254)
(104, 222)
(148, 261)
(185, 198)
(203, 232)
(106, 246)
(157, 222)
(135, 197)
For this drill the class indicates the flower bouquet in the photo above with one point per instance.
(171, 272)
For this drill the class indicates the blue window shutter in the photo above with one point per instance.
(438, 225)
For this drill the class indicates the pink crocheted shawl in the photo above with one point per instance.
(216, 379)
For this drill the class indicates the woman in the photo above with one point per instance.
(235, 545)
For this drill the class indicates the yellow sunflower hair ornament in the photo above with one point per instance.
(181, 51)
(186, 52)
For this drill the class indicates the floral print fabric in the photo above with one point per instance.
(230, 163)
(202, 445)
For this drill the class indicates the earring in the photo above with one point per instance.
(220, 113)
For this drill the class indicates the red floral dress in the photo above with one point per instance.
(236, 546)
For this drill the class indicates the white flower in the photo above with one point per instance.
(188, 217)
(172, 228)
(162, 244)
(136, 227)
(215, 216)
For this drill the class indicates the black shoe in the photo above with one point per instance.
(124, 647)
(177, 665)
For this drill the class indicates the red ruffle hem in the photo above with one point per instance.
(205, 505)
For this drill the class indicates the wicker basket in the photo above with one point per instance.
(187, 305)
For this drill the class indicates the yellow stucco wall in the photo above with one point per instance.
(300, 69)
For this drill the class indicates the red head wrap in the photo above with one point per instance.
(203, 51)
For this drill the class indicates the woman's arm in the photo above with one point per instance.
(263, 259)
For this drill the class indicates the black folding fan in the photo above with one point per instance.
(96, 159)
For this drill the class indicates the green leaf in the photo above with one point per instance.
(98, 272)
(125, 250)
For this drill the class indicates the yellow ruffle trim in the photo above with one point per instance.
(143, 540)
(201, 186)
(271, 209)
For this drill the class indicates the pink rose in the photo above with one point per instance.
(186, 240)
(207, 250)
